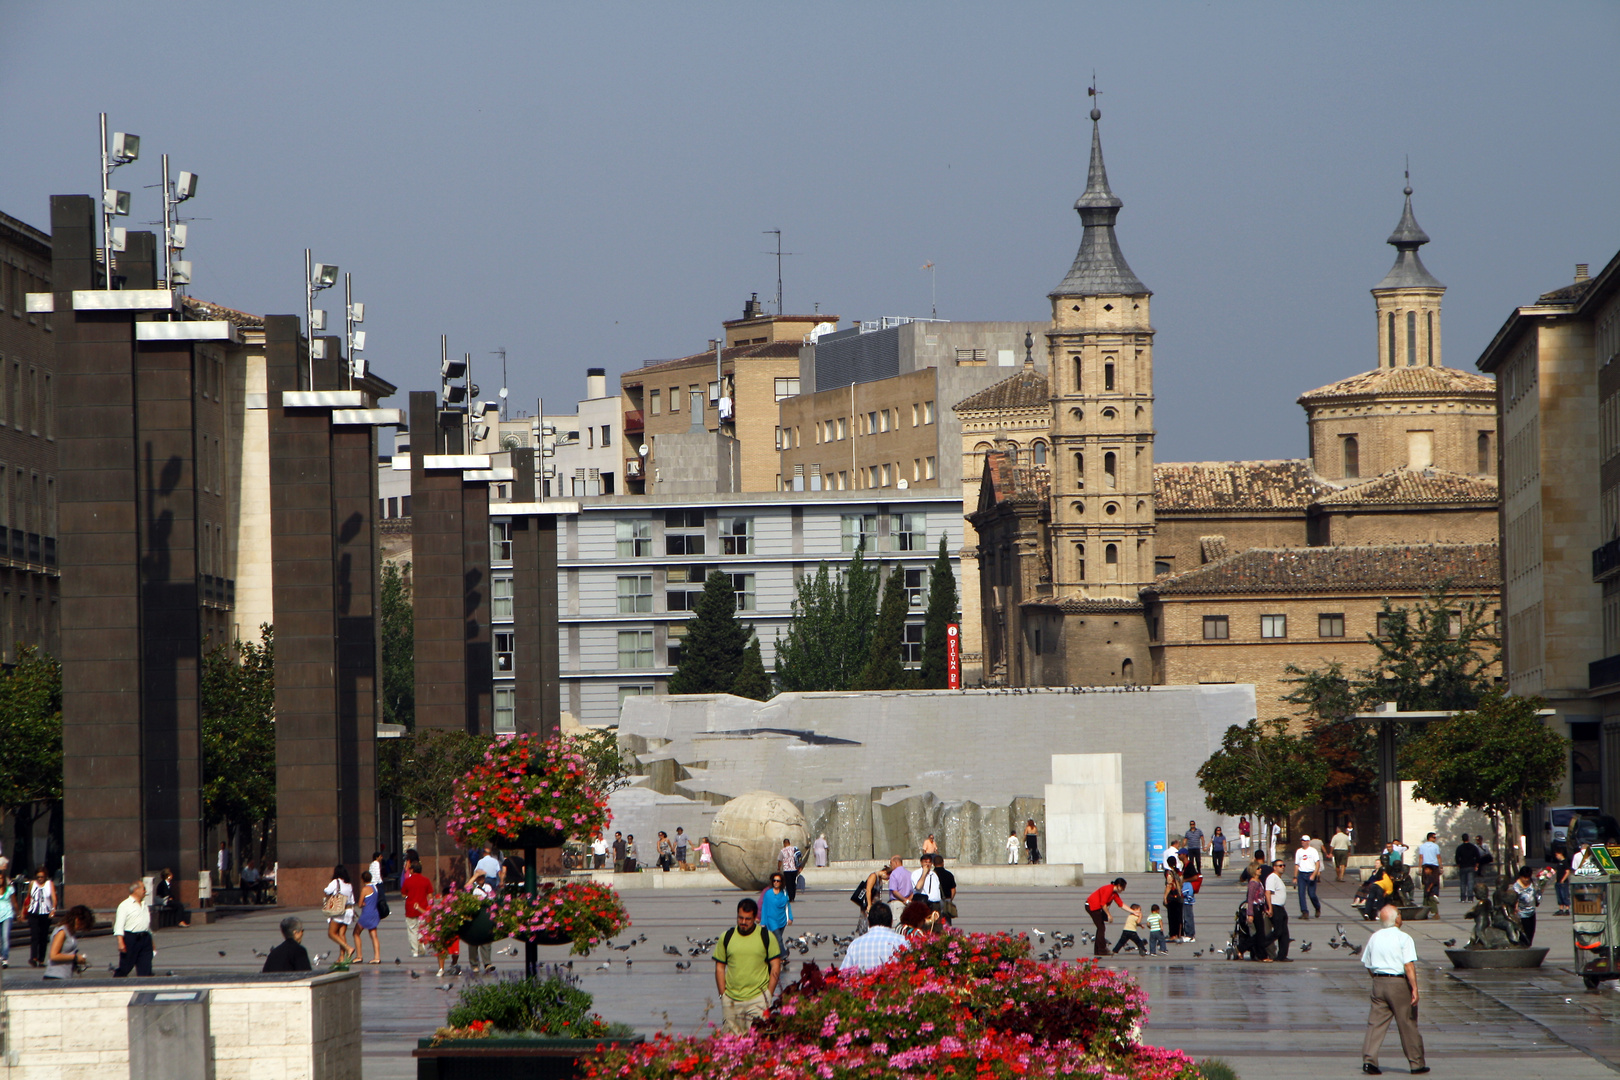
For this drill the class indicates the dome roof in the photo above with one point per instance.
(1404, 382)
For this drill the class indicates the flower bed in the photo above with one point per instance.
(952, 1005)
(527, 786)
(584, 913)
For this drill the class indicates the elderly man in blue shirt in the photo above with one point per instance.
(1390, 955)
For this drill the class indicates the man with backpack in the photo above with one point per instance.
(747, 965)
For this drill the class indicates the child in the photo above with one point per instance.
(1155, 925)
(1133, 920)
(1188, 892)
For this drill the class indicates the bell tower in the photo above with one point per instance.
(1101, 355)
(1408, 300)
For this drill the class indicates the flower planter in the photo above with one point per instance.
(1468, 959)
(510, 1059)
(480, 931)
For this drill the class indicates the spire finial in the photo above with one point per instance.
(1408, 191)
(1029, 349)
(1091, 92)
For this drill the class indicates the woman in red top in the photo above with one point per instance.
(1097, 908)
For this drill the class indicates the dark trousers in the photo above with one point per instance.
(1529, 924)
(1099, 941)
(1192, 858)
(1216, 858)
(1131, 937)
(790, 881)
(39, 938)
(1172, 911)
(137, 955)
(1259, 935)
(1465, 879)
(1279, 930)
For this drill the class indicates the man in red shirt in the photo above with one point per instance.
(1097, 908)
(416, 889)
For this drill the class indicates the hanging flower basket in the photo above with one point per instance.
(527, 789)
(446, 916)
(580, 913)
(479, 930)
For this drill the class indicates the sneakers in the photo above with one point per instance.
(441, 973)
(489, 969)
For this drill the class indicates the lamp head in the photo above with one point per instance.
(177, 235)
(317, 319)
(357, 340)
(324, 276)
(185, 187)
(116, 202)
(357, 312)
(119, 239)
(125, 147)
(452, 369)
(180, 272)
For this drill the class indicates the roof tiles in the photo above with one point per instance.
(1392, 567)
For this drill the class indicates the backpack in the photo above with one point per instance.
(799, 858)
(765, 935)
(382, 905)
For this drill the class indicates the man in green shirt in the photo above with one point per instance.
(747, 965)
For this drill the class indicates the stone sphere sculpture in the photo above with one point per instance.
(746, 836)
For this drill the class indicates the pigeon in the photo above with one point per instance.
(510, 950)
(714, 901)
(627, 965)
(257, 953)
(1306, 947)
(1449, 942)
(1355, 950)
(618, 948)
(443, 986)
(396, 959)
(168, 973)
(1340, 928)
(670, 950)
(416, 974)
(682, 965)
(606, 965)
(1332, 944)
(1569, 1001)
(1039, 933)
(222, 952)
(1200, 952)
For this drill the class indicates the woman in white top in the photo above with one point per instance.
(41, 906)
(337, 926)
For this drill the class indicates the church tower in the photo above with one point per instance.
(1408, 300)
(1101, 372)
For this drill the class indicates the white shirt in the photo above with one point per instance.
(929, 887)
(376, 873)
(1012, 845)
(1278, 890)
(1306, 860)
(131, 918)
(1389, 951)
(599, 846)
(491, 866)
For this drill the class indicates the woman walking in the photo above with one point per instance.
(339, 909)
(8, 911)
(369, 920)
(666, 852)
(41, 906)
(1217, 850)
(1032, 840)
(64, 959)
(1172, 903)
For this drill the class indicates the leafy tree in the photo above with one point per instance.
(238, 719)
(752, 682)
(942, 611)
(30, 731)
(712, 651)
(1262, 769)
(1495, 757)
(883, 669)
(600, 749)
(398, 629)
(420, 770)
(862, 587)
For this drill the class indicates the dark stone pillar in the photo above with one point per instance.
(480, 657)
(534, 606)
(437, 585)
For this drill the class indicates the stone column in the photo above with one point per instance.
(534, 606)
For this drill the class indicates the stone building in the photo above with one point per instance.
(1559, 435)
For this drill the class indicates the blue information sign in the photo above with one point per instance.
(1157, 812)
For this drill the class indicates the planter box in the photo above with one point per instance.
(1496, 958)
(509, 1059)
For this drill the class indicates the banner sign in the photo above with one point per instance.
(1157, 820)
(953, 656)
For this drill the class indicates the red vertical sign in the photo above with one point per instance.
(953, 656)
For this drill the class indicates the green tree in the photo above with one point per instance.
(419, 772)
(942, 611)
(1262, 769)
(883, 669)
(1495, 757)
(752, 682)
(862, 587)
(829, 638)
(30, 731)
(398, 629)
(600, 749)
(712, 651)
(238, 719)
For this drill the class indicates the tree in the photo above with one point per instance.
(829, 639)
(600, 749)
(752, 682)
(942, 611)
(861, 590)
(1262, 769)
(1495, 757)
(238, 720)
(883, 669)
(398, 629)
(419, 771)
(712, 651)
(30, 739)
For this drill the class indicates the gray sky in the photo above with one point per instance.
(586, 184)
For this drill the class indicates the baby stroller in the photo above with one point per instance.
(1245, 939)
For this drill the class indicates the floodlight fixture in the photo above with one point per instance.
(115, 202)
(324, 276)
(452, 369)
(180, 272)
(317, 319)
(177, 235)
(357, 313)
(357, 367)
(317, 349)
(118, 240)
(125, 147)
(476, 408)
(357, 340)
(480, 433)
(453, 394)
(185, 187)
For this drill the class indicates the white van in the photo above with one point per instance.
(1560, 817)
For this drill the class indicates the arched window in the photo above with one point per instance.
(1392, 339)
(1038, 453)
(1109, 414)
(1078, 370)
(1080, 557)
(1484, 453)
(1080, 472)
(1428, 333)
(1110, 467)
(1411, 339)
(1111, 561)
(1108, 376)
(1352, 458)
(1127, 671)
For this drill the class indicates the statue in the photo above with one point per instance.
(1496, 922)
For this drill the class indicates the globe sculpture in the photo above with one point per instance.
(745, 839)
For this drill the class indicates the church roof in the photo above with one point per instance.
(1026, 390)
(1416, 486)
(1237, 485)
(1006, 481)
(1405, 381)
(1099, 268)
(1089, 605)
(208, 310)
(1387, 567)
(1408, 271)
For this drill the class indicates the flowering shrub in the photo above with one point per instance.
(585, 913)
(526, 782)
(446, 914)
(952, 1005)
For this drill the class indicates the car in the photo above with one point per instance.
(1558, 819)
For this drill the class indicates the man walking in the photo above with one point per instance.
(132, 929)
(1194, 851)
(947, 889)
(787, 861)
(222, 864)
(680, 848)
(415, 888)
(1391, 956)
(1433, 868)
(619, 849)
(747, 965)
(1341, 852)
(1307, 869)
(1277, 909)
(1097, 907)
(1467, 859)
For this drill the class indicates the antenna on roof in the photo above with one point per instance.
(501, 352)
(778, 253)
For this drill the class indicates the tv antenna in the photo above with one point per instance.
(778, 253)
(933, 290)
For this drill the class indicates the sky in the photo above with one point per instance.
(589, 185)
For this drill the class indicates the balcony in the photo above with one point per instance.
(1606, 560)
(633, 422)
(1605, 672)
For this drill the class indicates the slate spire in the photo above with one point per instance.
(1099, 267)
(1408, 271)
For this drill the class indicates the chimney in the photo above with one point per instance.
(1583, 272)
(752, 309)
(596, 382)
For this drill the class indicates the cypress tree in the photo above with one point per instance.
(942, 601)
(811, 656)
(752, 682)
(861, 589)
(712, 651)
(883, 670)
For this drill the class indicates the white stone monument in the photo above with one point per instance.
(746, 837)
(1086, 821)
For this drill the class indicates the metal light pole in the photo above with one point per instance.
(309, 311)
(168, 228)
(106, 214)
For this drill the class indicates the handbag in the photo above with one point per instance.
(950, 909)
(858, 897)
(382, 905)
(333, 906)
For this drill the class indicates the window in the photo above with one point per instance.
(884, 472)
(505, 710)
(1484, 454)
(916, 589)
(634, 539)
(607, 434)
(871, 423)
(683, 532)
(910, 532)
(500, 541)
(911, 645)
(635, 594)
(743, 585)
(1215, 628)
(1330, 624)
(1392, 339)
(50, 409)
(786, 388)
(657, 403)
(503, 650)
(1273, 626)
(1411, 339)
(1079, 369)
(840, 423)
(915, 414)
(684, 587)
(1108, 376)
(779, 444)
(883, 420)
(928, 468)
(1080, 561)
(500, 598)
(674, 399)
(737, 536)
(635, 649)
(1111, 560)
(1037, 453)
(970, 357)
(860, 531)
(1454, 623)
(928, 412)
(1080, 472)
(1110, 469)
(1352, 458)
(1127, 670)
(1389, 622)
(1160, 568)
(673, 646)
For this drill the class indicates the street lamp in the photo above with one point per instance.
(124, 149)
(318, 277)
(175, 271)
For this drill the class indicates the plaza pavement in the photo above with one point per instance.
(1268, 1020)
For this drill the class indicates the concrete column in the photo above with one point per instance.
(436, 576)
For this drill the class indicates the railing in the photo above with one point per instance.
(1603, 672)
(1605, 560)
(633, 421)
